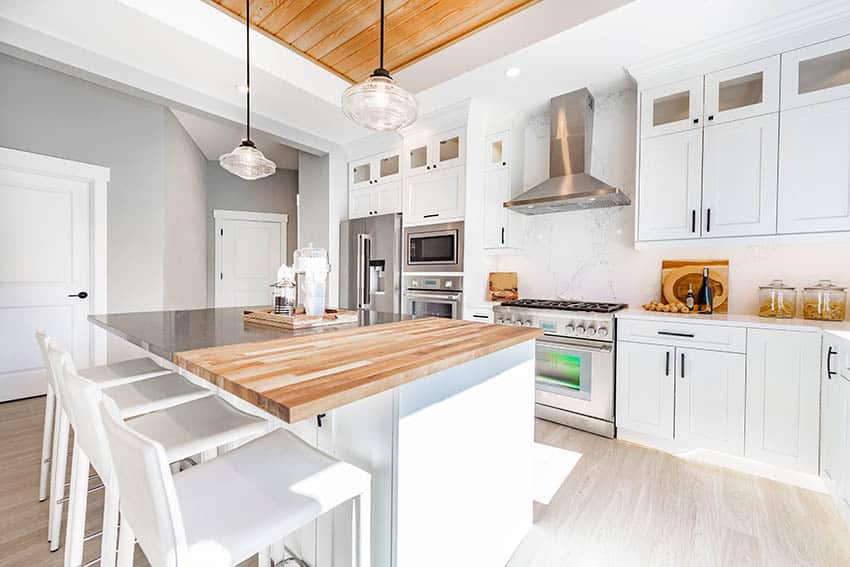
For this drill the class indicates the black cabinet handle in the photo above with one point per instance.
(503, 235)
(672, 334)
(683, 365)
(434, 166)
(667, 363)
(427, 167)
(319, 419)
(708, 220)
(432, 215)
(829, 371)
(696, 120)
(711, 117)
(693, 220)
(504, 163)
(81, 295)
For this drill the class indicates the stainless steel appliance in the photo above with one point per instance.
(574, 359)
(433, 296)
(434, 248)
(370, 263)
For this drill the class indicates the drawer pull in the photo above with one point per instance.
(667, 364)
(672, 334)
(480, 317)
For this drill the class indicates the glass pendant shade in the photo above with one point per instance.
(247, 162)
(379, 104)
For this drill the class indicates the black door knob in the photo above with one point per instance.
(81, 295)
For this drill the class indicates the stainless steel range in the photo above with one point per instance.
(575, 359)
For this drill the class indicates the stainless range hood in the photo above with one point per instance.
(570, 187)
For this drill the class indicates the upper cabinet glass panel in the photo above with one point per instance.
(418, 157)
(496, 151)
(389, 166)
(671, 108)
(741, 91)
(824, 72)
(817, 73)
(450, 149)
(362, 173)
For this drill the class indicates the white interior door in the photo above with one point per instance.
(248, 254)
(45, 247)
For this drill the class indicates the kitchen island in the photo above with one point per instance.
(441, 412)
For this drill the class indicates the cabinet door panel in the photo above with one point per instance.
(843, 475)
(645, 385)
(817, 73)
(449, 148)
(497, 190)
(783, 398)
(418, 156)
(670, 186)
(434, 197)
(832, 407)
(739, 177)
(671, 108)
(814, 168)
(387, 198)
(497, 151)
(360, 173)
(388, 167)
(359, 203)
(710, 393)
(743, 91)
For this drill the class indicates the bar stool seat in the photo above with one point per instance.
(275, 485)
(153, 394)
(123, 372)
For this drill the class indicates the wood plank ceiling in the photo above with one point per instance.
(343, 35)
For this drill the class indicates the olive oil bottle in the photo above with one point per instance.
(705, 301)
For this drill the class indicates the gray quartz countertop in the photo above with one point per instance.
(165, 332)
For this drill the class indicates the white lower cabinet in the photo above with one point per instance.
(832, 419)
(783, 398)
(645, 388)
(497, 190)
(710, 394)
(434, 197)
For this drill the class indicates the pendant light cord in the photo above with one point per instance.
(248, 67)
(382, 34)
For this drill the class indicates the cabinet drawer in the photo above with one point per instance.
(688, 334)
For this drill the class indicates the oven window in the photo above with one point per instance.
(422, 308)
(433, 249)
(563, 371)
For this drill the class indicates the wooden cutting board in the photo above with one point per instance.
(300, 320)
(677, 274)
(502, 286)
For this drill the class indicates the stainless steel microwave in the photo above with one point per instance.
(434, 248)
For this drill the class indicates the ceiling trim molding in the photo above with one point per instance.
(768, 37)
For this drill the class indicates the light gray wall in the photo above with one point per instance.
(274, 194)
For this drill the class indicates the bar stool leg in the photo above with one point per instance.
(277, 552)
(78, 492)
(362, 526)
(264, 557)
(109, 539)
(57, 413)
(60, 465)
(46, 444)
(126, 544)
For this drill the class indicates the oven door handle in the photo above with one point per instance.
(575, 345)
(416, 295)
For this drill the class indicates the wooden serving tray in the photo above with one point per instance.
(300, 320)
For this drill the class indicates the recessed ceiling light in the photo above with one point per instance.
(242, 88)
(512, 73)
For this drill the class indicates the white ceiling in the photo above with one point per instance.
(215, 137)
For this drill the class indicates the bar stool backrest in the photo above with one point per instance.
(148, 498)
(80, 398)
(43, 340)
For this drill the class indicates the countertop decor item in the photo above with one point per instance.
(677, 275)
(777, 299)
(299, 319)
(378, 103)
(825, 301)
(502, 286)
(246, 161)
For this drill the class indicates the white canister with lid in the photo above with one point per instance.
(313, 264)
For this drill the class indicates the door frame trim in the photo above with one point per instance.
(97, 178)
(220, 215)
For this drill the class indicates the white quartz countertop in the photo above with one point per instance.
(840, 328)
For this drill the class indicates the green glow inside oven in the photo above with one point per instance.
(567, 368)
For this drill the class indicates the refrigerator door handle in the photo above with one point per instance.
(366, 301)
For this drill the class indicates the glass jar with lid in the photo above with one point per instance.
(777, 299)
(825, 301)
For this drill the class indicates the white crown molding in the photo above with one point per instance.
(806, 26)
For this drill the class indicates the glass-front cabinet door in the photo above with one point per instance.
(418, 156)
(389, 167)
(360, 174)
(449, 148)
(497, 150)
(672, 108)
(818, 73)
(743, 91)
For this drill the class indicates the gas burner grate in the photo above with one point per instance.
(566, 305)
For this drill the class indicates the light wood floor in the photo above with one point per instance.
(622, 505)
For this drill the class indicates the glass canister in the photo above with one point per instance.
(313, 264)
(284, 291)
(825, 301)
(777, 300)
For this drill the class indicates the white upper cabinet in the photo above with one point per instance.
(814, 168)
(388, 167)
(670, 186)
(375, 169)
(434, 198)
(710, 400)
(359, 203)
(435, 152)
(671, 108)
(497, 190)
(419, 154)
(382, 199)
(743, 91)
(360, 173)
(817, 73)
(783, 398)
(645, 388)
(739, 177)
(497, 152)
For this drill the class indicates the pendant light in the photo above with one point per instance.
(246, 161)
(378, 103)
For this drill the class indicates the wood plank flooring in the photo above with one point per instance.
(622, 505)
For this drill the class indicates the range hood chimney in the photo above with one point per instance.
(570, 186)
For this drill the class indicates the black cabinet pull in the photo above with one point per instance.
(503, 235)
(672, 334)
(711, 117)
(683, 365)
(693, 220)
(696, 120)
(504, 163)
(708, 220)
(432, 215)
(427, 167)
(434, 166)
(319, 419)
(829, 371)
(667, 364)
(81, 295)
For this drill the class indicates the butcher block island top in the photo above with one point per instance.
(298, 377)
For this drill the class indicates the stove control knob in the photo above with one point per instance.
(569, 329)
(590, 331)
(527, 323)
(602, 332)
(500, 321)
(579, 330)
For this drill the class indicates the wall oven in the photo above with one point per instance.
(434, 248)
(427, 296)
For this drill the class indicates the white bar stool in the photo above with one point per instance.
(225, 510)
(136, 395)
(108, 374)
(187, 429)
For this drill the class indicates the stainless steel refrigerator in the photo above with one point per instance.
(370, 263)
